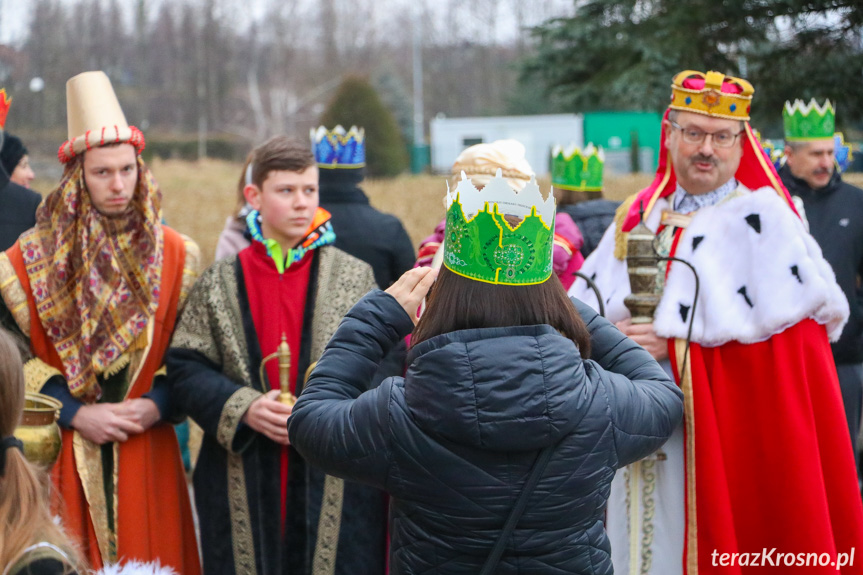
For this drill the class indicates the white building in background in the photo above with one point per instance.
(539, 134)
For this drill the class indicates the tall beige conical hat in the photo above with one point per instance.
(94, 116)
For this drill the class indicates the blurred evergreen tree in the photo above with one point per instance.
(357, 104)
(622, 54)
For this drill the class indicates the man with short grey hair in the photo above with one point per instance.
(833, 209)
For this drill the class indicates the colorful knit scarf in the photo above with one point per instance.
(95, 279)
(320, 233)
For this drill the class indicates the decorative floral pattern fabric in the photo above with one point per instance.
(95, 280)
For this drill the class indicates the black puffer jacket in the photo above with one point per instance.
(453, 442)
(592, 218)
(834, 221)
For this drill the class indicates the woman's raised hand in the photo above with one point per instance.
(410, 289)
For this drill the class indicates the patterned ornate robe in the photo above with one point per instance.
(332, 526)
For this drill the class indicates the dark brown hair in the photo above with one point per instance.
(457, 303)
(280, 153)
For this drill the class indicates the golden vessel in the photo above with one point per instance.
(283, 355)
(38, 429)
(642, 266)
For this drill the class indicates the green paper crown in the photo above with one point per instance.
(480, 244)
(805, 122)
(576, 170)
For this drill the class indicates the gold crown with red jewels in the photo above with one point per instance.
(712, 94)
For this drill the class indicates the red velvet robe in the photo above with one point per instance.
(755, 474)
(276, 302)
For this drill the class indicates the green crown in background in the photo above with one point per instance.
(804, 122)
(573, 169)
(481, 243)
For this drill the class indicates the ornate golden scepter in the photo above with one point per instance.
(283, 354)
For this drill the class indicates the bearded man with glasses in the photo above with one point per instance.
(762, 460)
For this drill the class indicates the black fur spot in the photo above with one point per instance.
(695, 241)
(754, 220)
(684, 312)
(796, 271)
(742, 291)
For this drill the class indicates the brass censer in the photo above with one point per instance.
(283, 355)
(642, 265)
(38, 429)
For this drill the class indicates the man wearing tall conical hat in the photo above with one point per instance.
(763, 460)
(94, 290)
(833, 209)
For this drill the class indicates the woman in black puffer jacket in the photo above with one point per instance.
(496, 374)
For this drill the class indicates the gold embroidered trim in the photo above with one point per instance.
(37, 373)
(634, 515)
(88, 462)
(241, 523)
(232, 413)
(342, 281)
(675, 219)
(329, 525)
(648, 488)
(117, 366)
(191, 268)
(213, 310)
(13, 294)
(620, 236)
(685, 376)
(138, 356)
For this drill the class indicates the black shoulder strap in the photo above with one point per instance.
(517, 510)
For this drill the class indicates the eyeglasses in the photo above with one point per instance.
(721, 139)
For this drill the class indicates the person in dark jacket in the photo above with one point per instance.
(372, 236)
(577, 179)
(833, 209)
(15, 160)
(17, 203)
(498, 372)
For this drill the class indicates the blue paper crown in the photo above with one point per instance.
(843, 153)
(339, 149)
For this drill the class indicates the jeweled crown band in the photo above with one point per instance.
(711, 99)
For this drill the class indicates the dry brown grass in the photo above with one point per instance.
(198, 196)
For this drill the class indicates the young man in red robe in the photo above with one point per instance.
(262, 509)
(94, 290)
(761, 474)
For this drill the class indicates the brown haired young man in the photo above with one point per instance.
(262, 509)
(94, 290)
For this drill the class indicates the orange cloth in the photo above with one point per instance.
(154, 516)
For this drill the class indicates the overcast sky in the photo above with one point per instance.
(15, 14)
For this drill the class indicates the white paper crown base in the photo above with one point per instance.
(498, 191)
(571, 150)
(805, 109)
(321, 132)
